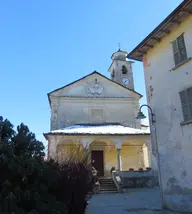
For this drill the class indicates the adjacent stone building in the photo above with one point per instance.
(99, 114)
(166, 54)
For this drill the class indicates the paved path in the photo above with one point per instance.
(143, 201)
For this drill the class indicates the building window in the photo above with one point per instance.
(186, 102)
(113, 74)
(179, 50)
(124, 70)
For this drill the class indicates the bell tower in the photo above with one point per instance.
(121, 69)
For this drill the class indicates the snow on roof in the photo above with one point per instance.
(98, 130)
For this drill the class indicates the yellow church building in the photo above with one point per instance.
(98, 114)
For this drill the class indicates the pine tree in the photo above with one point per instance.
(6, 130)
(28, 184)
(26, 143)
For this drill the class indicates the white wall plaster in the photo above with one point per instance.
(173, 139)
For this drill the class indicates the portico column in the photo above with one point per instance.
(119, 163)
(52, 146)
(118, 143)
(148, 144)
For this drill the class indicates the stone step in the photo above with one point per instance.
(111, 182)
(111, 185)
(106, 182)
(115, 192)
(103, 189)
(105, 179)
(102, 192)
(107, 186)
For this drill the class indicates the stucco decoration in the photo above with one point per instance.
(96, 88)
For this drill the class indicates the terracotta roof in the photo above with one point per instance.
(175, 18)
(95, 72)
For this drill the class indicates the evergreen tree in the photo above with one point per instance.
(6, 130)
(30, 185)
(26, 143)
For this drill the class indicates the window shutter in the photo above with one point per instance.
(181, 42)
(189, 94)
(189, 97)
(183, 97)
(185, 105)
(177, 58)
(175, 47)
(181, 47)
(186, 114)
(176, 52)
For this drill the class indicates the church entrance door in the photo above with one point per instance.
(97, 161)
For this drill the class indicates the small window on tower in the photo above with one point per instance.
(113, 73)
(124, 70)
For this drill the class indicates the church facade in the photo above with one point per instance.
(99, 114)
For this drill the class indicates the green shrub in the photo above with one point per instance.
(28, 184)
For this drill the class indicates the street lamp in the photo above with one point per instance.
(140, 114)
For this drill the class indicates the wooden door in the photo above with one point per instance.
(97, 161)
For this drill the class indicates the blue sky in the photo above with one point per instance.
(47, 44)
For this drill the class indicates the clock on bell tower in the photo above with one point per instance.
(121, 69)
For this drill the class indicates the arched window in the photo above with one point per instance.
(124, 70)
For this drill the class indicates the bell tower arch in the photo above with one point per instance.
(121, 69)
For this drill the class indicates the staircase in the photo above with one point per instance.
(107, 186)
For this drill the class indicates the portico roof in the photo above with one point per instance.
(93, 129)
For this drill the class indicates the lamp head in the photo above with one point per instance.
(140, 115)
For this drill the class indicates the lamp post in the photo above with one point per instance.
(140, 115)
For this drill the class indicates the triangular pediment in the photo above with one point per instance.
(95, 85)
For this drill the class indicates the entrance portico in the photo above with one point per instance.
(122, 148)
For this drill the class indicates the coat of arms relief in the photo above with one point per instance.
(95, 89)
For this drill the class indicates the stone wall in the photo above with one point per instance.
(125, 180)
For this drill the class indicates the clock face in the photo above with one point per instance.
(125, 81)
